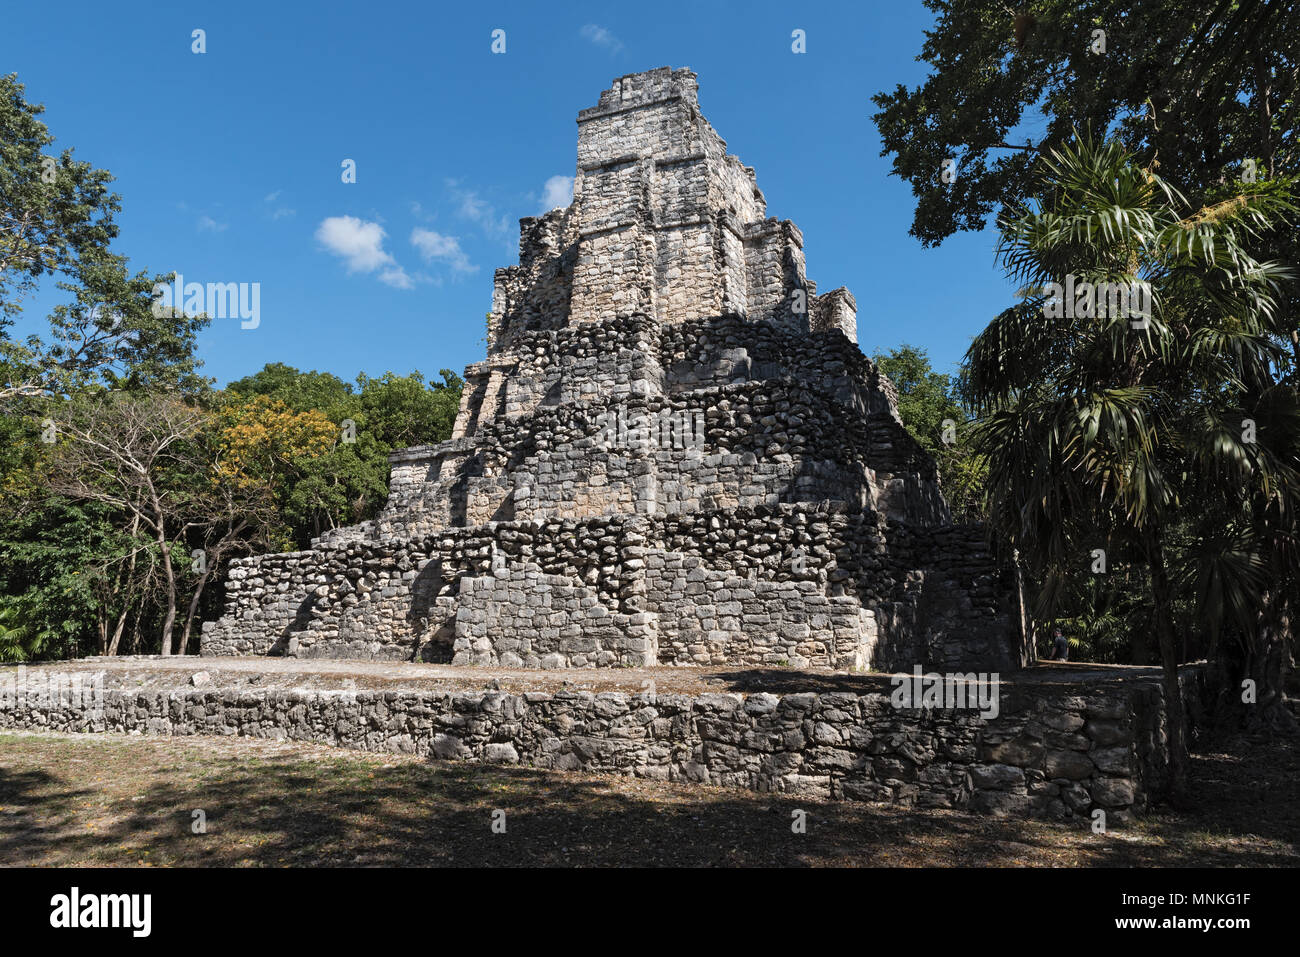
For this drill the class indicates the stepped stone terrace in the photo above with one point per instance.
(673, 454)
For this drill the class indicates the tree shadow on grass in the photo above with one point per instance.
(20, 792)
(354, 811)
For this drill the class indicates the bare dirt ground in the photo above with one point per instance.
(74, 800)
(332, 674)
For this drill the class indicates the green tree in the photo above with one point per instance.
(56, 566)
(1100, 422)
(69, 564)
(136, 455)
(931, 410)
(1198, 85)
(1201, 90)
(300, 391)
(53, 210)
(349, 483)
(404, 411)
(57, 219)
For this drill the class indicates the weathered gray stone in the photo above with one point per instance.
(500, 754)
(674, 452)
(1106, 731)
(998, 776)
(1021, 749)
(1000, 803)
(723, 739)
(1113, 792)
(1068, 764)
(1117, 760)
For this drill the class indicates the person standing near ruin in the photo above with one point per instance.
(1060, 646)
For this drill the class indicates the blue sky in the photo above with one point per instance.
(229, 162)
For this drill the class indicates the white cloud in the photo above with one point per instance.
(435, 246)
(208, 224)
(476, 210)
(396, 277)
(359, 243)
(280, 212)
(601, 37)
(558, 191)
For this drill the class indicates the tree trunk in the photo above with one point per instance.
(1028, 639)
(1265, 90)
(193, 610)
(135, 633)
(123, 582)
(1267, 666)
(169, 620)
(1162, 594)
(164, 546)
(121, 627)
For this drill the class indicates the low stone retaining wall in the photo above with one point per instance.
(1051, 751)
(825, 585)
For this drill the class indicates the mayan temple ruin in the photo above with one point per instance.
(673, 454)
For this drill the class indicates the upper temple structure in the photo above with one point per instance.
(674, 453)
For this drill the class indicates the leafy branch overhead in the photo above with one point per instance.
(57, 224)
(1196, 87)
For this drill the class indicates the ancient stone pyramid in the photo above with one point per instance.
(674, 453)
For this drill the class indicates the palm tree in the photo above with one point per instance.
(1105, 416)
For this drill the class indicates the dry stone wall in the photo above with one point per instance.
(1050, 751)
(832, 586)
